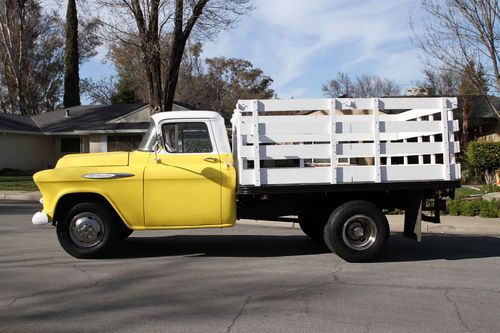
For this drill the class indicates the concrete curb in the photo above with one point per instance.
(20, 195)
(451, 225)
(458, 225)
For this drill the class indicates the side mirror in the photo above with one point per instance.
(157, 149)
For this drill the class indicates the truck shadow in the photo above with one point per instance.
(399, 249)
(217, 246)
(444, 246)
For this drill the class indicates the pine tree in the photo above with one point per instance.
(474, 81)
(71, 58)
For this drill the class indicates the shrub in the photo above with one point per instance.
(489, 209)
(454, 207)
(473, 208)
(483, 158)
(490, 188)
(470, 208)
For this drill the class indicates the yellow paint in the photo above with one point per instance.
(182, 191)
(107, 159)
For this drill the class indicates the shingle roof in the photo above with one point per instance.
(80, 118)
(92, 117)
(11, 122)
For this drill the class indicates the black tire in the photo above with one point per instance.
(357, 231)
(124, 232)
(312, 226)
(101, 222)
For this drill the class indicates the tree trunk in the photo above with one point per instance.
(71, 74)
(156, 100)
(172, 77)
(179, 40)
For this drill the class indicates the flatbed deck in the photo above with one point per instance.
(352, 187)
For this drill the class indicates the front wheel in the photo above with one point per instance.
(357, 231)
(88, 230)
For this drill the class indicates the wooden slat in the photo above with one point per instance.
(348, 174)
(322, 151)
(277, 105)
(318, 127)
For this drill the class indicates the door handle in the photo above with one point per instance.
(211, 159)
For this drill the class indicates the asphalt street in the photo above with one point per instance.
(243, 279)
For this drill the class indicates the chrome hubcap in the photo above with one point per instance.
(359, 232)
(86, 229)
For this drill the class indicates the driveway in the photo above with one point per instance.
(245, 279)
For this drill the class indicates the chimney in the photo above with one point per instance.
(66, 114)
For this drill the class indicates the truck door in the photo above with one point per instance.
(182, 187)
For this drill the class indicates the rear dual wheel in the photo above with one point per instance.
(357, 231)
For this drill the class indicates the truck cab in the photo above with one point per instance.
(182, 176)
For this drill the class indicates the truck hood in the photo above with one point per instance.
(97, 159)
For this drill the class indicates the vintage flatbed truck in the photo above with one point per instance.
(333, 163)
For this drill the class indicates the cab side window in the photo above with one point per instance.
(187, 137)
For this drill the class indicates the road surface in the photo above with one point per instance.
(244, 279)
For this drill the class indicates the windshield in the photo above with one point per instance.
(149, 140)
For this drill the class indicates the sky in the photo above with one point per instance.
(301, 44)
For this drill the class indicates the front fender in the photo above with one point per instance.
(125, 195)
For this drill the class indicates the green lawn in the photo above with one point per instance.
(466, 191)
(17, 183)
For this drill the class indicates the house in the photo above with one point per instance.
(483, 124)
(37, 142)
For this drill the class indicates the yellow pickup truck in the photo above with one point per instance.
(293, 163)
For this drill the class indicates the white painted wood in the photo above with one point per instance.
(432, 139)
(369, 136)
(276, 105)
(322, 150)
(376, 139)
(333, 141)
(446, 140)
(420, 140)
(239, 160)
(256, 143)
(340, 137)
(347, 174)
(320, 126)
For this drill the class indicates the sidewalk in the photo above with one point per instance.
(458, 225)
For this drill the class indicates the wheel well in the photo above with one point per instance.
(67, 201)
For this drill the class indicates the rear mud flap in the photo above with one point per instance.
(413, 217)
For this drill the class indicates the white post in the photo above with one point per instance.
(405, 158)
(452, 138)
(256, 143)
(446, 140)
(376, 140)
(432, 139)
(333, 141)
(419, 139)
(239, 144)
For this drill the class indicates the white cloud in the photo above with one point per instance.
(287, 39)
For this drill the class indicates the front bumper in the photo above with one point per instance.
(40, 218)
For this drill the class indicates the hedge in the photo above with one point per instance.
(482, 157)
(482, 208)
